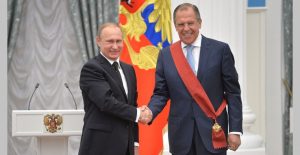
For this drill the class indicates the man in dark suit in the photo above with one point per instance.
(110, 99)
(199, 77)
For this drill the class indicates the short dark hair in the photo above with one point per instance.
(101, 27)
(185, 6)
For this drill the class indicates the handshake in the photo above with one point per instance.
(145, 115)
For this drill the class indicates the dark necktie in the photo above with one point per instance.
(115, 65)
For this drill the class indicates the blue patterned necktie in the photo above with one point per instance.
(190, 57)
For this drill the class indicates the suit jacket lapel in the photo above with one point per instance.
(204, 55)
(107, 66)
(128, 76)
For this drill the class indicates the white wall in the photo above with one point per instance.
(3, 78)
(274, 138)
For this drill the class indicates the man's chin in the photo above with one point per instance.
(188, 42)
(114, 57)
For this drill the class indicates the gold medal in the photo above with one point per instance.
(216, 127)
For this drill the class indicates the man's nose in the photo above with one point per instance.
(115, 45)
(186, 26)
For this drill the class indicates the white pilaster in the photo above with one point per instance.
(274, 47)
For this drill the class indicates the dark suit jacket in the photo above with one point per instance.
(109, 127)
(219, 78)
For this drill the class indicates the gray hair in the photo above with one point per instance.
(101, 27)
(185, 6)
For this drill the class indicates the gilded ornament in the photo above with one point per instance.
(53, 122)
(216, 127)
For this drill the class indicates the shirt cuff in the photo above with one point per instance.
(138, 113)
(136, 144)
(236, 133)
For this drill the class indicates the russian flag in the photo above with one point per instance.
(146, 25)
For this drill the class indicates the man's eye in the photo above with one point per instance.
(190, 24)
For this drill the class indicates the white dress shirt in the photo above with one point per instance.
(195, 52)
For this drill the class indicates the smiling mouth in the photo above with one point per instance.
(188, 34)
(114, 51)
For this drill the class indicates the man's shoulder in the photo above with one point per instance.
(91, 61)
(213, 41)
(94, 62)
(167, 48)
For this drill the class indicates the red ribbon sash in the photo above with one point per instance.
(199, 95)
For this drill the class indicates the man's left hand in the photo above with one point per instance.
(234, 141)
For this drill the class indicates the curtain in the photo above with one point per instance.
(46, 52)
(48, 42)
(87, 15)
(14, 12)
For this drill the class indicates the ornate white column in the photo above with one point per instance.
(226, 21)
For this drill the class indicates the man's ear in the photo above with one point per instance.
(98, 40)
(200, 22)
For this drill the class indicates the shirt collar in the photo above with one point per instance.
(196, 43)
(109, 60)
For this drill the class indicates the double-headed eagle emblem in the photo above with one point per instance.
(135, 27)
(53, 122)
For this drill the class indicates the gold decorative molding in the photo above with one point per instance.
(53, 122)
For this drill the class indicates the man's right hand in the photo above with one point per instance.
(146, 115)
